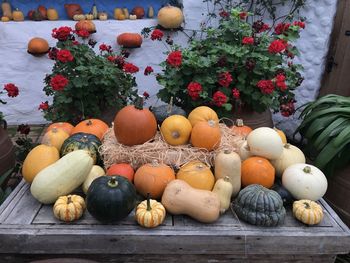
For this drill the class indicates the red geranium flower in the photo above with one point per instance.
(281, 28)
(44, 106)
(62, 33)
(111, 58)
(194, 89)
(224, 14)
(64, 56)
(148, 70)
(243, 15)
(266, 86)
(219, 98)
(83, 33)
(157, 35)
(280, 82)
(225, 79)
(277, 46)
(146, 95)
(235, 93)
(104, 47)
(174, 59)
(58, 82)
(248, 41)
(299, 24)
(12, 90)
(130, 68)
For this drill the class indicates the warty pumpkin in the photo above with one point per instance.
(202, 113)
(239, 129)
(152, 178)
(66, 126)
(87, 25)
(69, 208)
(176, 130)
(206, 135)
(55, 137)
(134, 125)
(308, 212)
(150, 213)
(258, 170)
(38, 46)
(197, 174)
(93, 126)
(129, 40)
(170, 17)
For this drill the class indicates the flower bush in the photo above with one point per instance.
(236, 64)
(85, 83)
(12, 91)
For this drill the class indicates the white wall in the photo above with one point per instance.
(28, 72)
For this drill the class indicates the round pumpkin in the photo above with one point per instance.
(240, 129)
(282, 135)
(152, 178)
(83, 141)
(176, 130)
(202, 113)
(92, 126)
(134, 125)
(170, 17)
(87, 25)
(17, 15)
(69, 208)
(66, 126)
(150, 213)
(52, 14)
(38, 46)
(308, 212)
(257, 170)
(37, 159)
(206, 135)
(139, 11)
(286, 196)
(55, 137)
(122, 169)
(110, 199)
(5, 19)
(197, 174)
(129, 40)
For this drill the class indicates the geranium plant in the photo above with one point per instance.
(85, 83)
(12, 91)
(236, 64)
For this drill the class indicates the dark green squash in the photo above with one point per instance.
(110, 198)
(286, 196)
(259, 206)
(164, 111)
(82, 141)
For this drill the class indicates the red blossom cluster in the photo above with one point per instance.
(64, 56)
(11, 89)
(194, 89)
(248, 41)
(44, 106)
(148, 70)
(225, 79)
(104, 47)
(130, 68)
(174, 59)
(157, 35)
(268, 86)
(82, 33)
(62, 33)
(278, 46)
(58, 82)
(219, 98)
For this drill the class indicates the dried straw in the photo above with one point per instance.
(157, 149)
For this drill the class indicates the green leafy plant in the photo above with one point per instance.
(84, 83)
(326, 127)
(237, 64)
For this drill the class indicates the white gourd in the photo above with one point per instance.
(95, 172)
(224, 189)
(244, 151)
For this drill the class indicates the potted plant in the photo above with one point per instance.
(85, 83)
(325, 127)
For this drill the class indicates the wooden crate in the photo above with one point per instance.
(28, 231)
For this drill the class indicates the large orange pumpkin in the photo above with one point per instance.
(257, 170)
(129, 40)
(122, 169)
(240, 129)
(66, 126)
(134, 125)
(38, 46)
(202, 113)
(152, 178)
(206, 134)
(85, 25)
(92, 126)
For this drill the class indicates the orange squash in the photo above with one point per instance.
(17, 15)
(176, 130)
(38, 46)
(170, 17)
(55, 137)
(240, 129)
(197, 174)
(152, 178)
(206, 134)
(257, 170)
(66, 126)
(122, 169)
(134, 125)
(129, 40)
(87, 25)
(202, 113)
(92, 126)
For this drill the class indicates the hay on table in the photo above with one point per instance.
(157, 149)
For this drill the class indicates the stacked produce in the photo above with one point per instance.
(244, 177)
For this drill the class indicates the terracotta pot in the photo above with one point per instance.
(254, 119)
(7, 150)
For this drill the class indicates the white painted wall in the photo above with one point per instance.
(28, 72)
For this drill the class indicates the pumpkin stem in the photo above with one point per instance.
(149, 208)
(175, 134)
(69, 199)
(212, 123)
(287, 145)
(307, 169)
(307, 206)
(239, 123)
(227, 151)
(139, 102)
(88, 122)
(226, 178)
(154, 163)
(84, 139)
(113, 182)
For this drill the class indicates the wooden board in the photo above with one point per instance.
(29, 231)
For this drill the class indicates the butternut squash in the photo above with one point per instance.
(61, 177)
(180, 198)
(228, 163)
(6, 9)
(224, 189)
(95, 172)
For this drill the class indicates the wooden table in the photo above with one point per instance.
(28, 231)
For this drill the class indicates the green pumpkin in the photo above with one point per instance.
(110, 198)
(286, 196)
(164, 111)
(259, 206)
(83, 141)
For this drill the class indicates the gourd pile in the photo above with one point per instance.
(247, 181)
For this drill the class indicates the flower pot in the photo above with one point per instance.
(7, 151)
(252, 118)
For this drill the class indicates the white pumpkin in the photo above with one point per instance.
(265, 142)
(244, 151)
(305, 181)
(290, 155)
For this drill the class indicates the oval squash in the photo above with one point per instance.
(95, 172)
(224, 189)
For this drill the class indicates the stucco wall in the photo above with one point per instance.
(28, 72)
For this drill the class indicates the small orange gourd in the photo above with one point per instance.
(202, 113)
(38, 46)
(55, 137)
(93, 126)
(257, 170)
(206, 134)
(170, 17)
(69, 208)
(66, 126)
(150, 213)
(17, 15)
(122, 169)
(240, 129)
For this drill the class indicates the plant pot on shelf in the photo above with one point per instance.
(7, 150)
(252, 118)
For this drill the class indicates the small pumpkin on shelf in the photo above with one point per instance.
(69, 208)
(79, 17)
(139, 11)
(89, 16)
(308, 212)
(239, 129)
(73, 9)
(17, 15)
(129, 40)
(170, 17)
(52, 14)
(5, 19)
(150, 213)
(102, 16)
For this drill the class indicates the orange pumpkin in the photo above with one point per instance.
(176, 130)
(122, 169)
(38, 46)
(87, 25)
(202, 113)
(139, 11)
(240, 129)
(153, 178)
(92, 126)
(66, 126)
(129, 40)
(257, 170)
(55, 137)
(197, 175)
(206, 134)
(134, 125)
